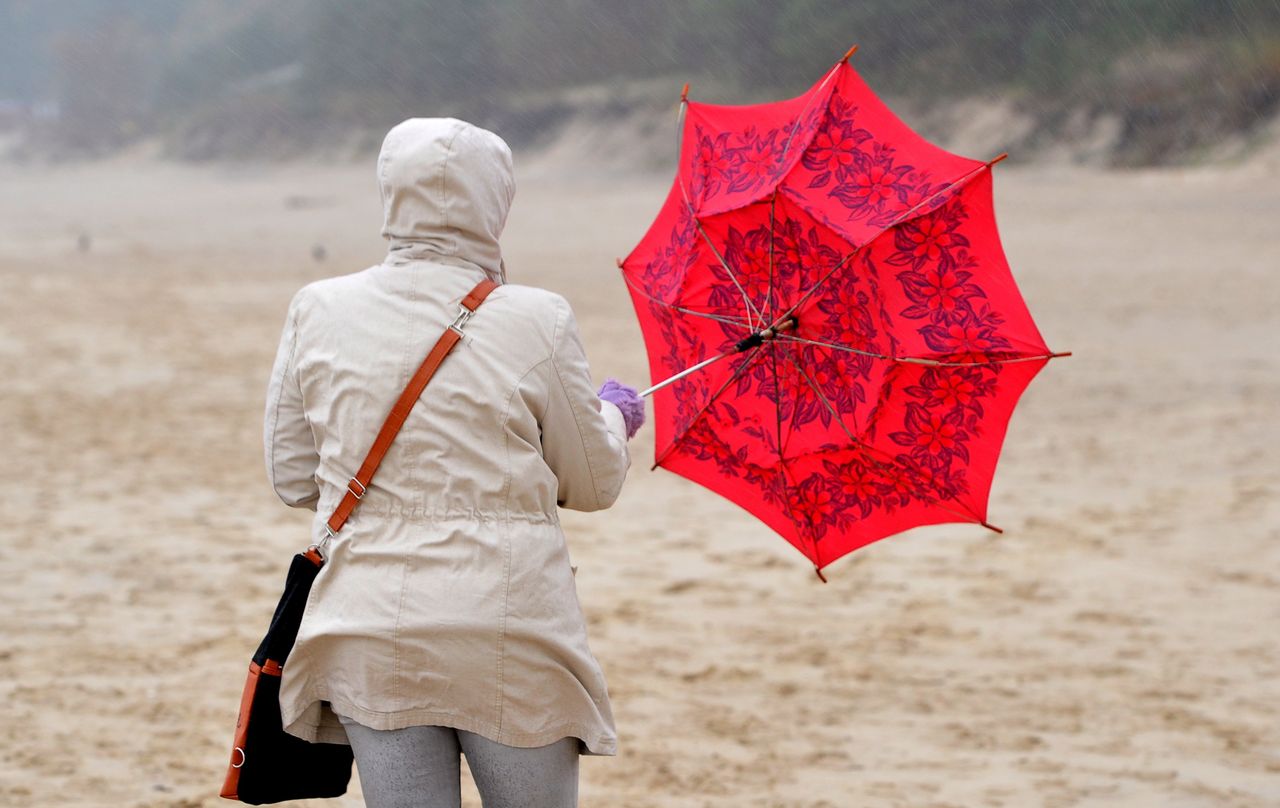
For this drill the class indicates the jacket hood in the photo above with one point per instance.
(446, 190)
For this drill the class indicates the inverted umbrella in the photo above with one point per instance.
(841, 338)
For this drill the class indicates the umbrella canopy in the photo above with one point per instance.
(839, 283)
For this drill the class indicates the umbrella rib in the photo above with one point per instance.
(707, 315)
(733, 377)
(835, 347)
(815, 286)
(969, 516)
(773, 198)
(829, 358)
(785, 470)
(680, 119)
(751, 308)
(796, 126)
(917, 360)
(773, 204)
(903, 218)
(694, 216)
(825, 401)
(777, 403)
(688, 203)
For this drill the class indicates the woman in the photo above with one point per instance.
(446, 617)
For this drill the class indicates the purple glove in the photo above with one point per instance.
(627, 400)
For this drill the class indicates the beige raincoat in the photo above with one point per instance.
(448, 597)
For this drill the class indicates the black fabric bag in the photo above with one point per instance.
(267, 763)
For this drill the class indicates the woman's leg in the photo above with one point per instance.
(519, 777)
(414, 767)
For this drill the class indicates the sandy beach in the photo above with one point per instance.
(1116, 646)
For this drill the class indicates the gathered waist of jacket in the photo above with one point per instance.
(407, 513)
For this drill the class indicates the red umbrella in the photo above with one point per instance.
(846, 337)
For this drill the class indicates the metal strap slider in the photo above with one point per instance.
(464, 314)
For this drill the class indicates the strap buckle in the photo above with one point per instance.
(319, 545)
(464, 314)
(357, 494)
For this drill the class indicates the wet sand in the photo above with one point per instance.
(1117, 646)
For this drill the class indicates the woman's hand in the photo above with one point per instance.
(626, 399)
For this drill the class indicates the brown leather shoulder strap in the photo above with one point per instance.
(358, 484)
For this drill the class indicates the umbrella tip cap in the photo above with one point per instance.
(684, 93)
(990, 526)
(619, 260)
(998, 158)
(818, 570)
(849, 53)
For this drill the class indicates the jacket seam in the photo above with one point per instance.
(502, 631)
(474, 516)
(501, 696)
(444, 173)
(284, 377)
(506, 434)
(406, 371)
(395, 635)
(577, 420)
(555, 340)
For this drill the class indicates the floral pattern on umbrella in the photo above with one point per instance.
(902, 344)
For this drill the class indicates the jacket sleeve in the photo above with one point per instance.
(289, 445)
(584, 439)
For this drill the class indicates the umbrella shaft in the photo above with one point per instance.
(685, 372)
(757, 339)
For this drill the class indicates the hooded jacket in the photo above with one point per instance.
(448, 596)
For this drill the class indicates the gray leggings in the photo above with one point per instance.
(418, 767)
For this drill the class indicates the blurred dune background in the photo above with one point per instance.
(171, 171)
(1142, 82)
